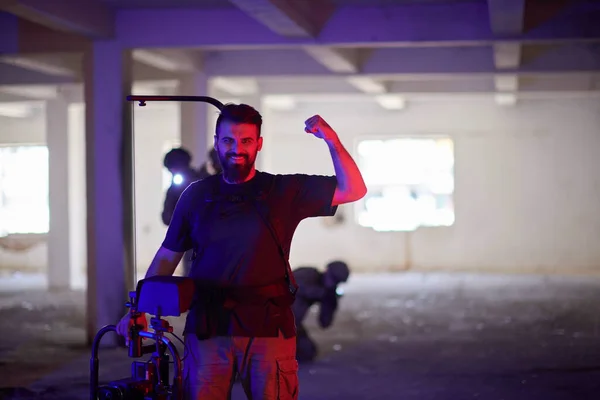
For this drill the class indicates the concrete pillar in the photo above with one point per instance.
(77, 195)
(196, 133)
(110, 273)
(65, 137)
(57, 138)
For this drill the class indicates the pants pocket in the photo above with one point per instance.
(287, 379)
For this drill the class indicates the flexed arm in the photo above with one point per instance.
(350, 184)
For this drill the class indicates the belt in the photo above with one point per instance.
(229, 297)
(253, 294)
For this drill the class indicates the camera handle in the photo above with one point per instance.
(136, 350)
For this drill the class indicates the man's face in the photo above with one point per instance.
(237, 146)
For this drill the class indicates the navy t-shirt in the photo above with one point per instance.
(234, 246)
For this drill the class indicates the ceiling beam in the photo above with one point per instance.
(336, 60)
(350, 61)
(9, 33)
(14, 75)
(21, 37)
(88, 18)
(396, 91)
(507, 55)
(289, 18)
(10, 97)
(450, 96)
(142, 71)
(310, 84)
(507, 18)
(385, 65)
(469, 84)
(444, 85)
(391, 101)
(171, 60)
(32, 92)
(303, 19)
(392, 62)
(23, 109)
(392, 26)
(64, 65)
(506, 99)
(236, 86)
(506, 83)
(367, 84)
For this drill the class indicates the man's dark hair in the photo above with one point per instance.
(239, 114)
(178, 157)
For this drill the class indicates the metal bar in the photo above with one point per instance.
(94, 363)
(206, 99)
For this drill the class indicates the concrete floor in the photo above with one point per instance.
(404, 336)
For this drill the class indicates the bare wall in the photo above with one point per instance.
(527, 185)
(22, 130)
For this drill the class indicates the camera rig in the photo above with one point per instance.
(160, 296)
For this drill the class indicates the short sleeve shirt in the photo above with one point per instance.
(235, 248)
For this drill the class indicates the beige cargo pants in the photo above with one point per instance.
(267, 367)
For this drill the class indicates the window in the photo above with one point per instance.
(410, 182)
(24, 190)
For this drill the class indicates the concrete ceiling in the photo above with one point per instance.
(387, 50)
(132, 4)
(128, 4)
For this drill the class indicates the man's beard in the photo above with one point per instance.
(233, 171)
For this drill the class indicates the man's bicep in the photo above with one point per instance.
(164, 263)
(169, 254)
(314, 195)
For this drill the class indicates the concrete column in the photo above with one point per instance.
(110, 273)
(65, 137)
(196, 133)
(77, 195)
(57, 138)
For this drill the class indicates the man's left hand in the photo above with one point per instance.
(321, 129)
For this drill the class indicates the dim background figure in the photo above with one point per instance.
(178, 162)
(316, 287)
(212, 166)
